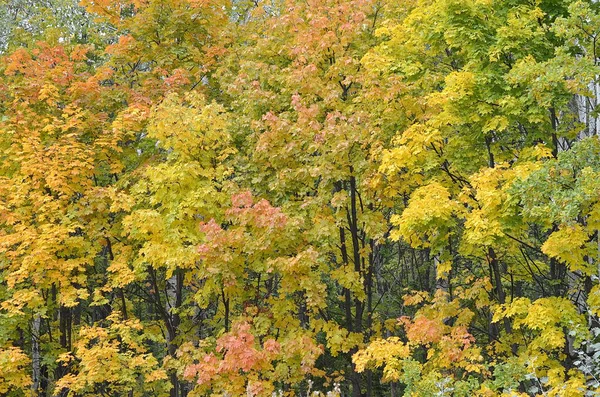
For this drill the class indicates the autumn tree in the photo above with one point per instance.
(367, 197)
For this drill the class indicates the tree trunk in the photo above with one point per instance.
(36, 370)
(174, 296)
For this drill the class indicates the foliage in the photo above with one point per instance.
(276, 197)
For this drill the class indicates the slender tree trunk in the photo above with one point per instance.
(345, 261)
(226, 309)
(36, 371)
(64, 325)
(174, 297)
(347, 297)
(359, 306)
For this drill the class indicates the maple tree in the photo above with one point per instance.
(268, 198)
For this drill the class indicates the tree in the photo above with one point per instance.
(286, 197)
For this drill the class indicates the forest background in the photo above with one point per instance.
(286, 197)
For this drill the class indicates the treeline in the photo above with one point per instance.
(288, 197)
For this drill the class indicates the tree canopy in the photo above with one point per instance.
(299, 197)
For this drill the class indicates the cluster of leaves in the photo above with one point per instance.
(267, 198)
